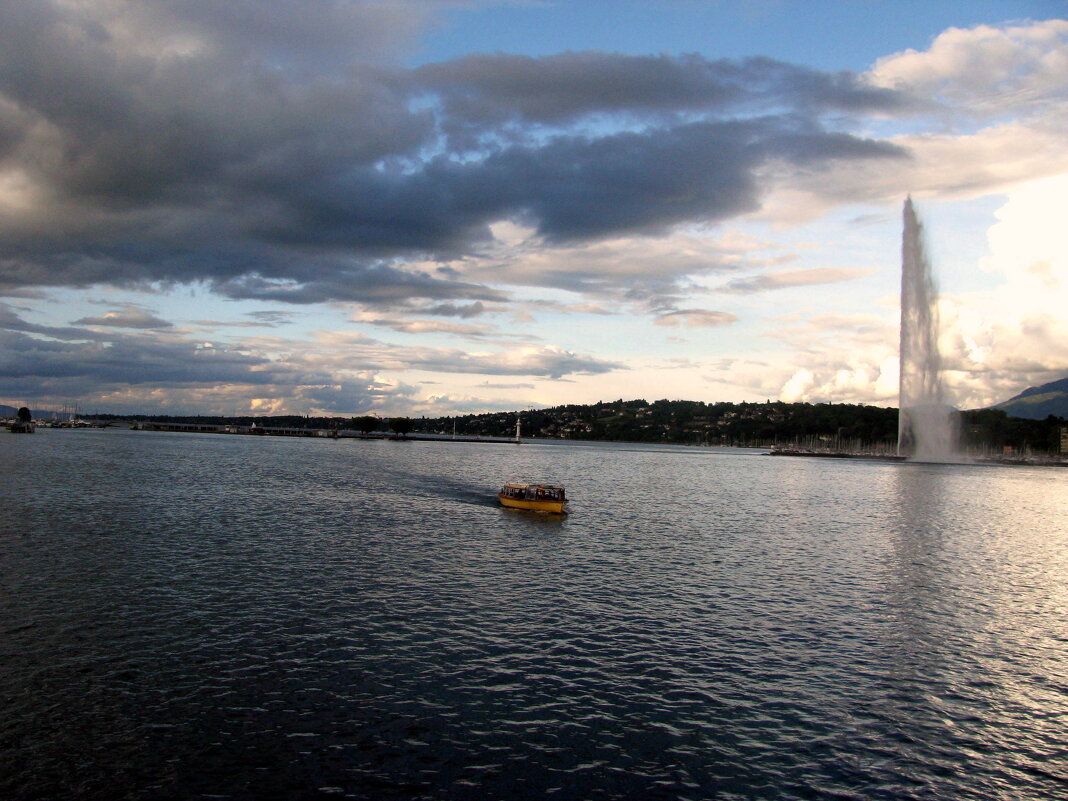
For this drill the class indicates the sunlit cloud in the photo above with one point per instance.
(125, 318)
(696, 318)
(984, 71)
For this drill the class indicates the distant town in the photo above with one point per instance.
(854, 428)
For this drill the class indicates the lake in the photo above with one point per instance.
(191, 616)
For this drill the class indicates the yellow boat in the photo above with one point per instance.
(533, 497)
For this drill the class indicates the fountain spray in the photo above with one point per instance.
(926, 430)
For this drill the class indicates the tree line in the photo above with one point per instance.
(828, 425)
(844, 426)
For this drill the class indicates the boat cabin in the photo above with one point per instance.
(533, 492)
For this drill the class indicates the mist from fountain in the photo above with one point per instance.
(926, 429)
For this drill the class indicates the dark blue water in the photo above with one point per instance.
(217, 617)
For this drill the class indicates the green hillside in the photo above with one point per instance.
(1038, 403)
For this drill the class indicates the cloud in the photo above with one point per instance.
(260, 319)
(798, 387)
(696, 318)
(576, 188)
(821, 376)
(411, 318)
(488, 385)
(985, 71)
(653, 273)
(988, 112)
(339, 371)
(351, 395)
(840, 358)
(412, 326)
(11, 321)
(275, 153)
(453, 404)
(454, 310)
(791, 278)
(996, 343)
(490, 90)
(283, 153)
(271, 317)
(126, 318)
(545, 361)
(50, 368)
(377, 285)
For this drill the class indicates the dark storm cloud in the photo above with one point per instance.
(321, 35)
(642, 182)
(380, 284)
(45, 367)
(268, 149)
(569, 187)
(493, 89)
(75, 362)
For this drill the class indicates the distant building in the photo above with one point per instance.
(1064, 439)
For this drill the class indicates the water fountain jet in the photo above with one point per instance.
(926, 430)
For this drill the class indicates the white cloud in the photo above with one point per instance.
(798, 387)
(517, 256)
(999, 342)
(994, 343)
(415, 326)
(1029, 241)
(999, 98)
(985, 70)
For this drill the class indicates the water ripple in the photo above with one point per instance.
(194, 616)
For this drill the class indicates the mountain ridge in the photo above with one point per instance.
(1038, 403)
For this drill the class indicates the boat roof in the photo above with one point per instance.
(513, 485)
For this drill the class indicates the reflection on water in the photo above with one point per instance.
(972, 665)
(189, 616)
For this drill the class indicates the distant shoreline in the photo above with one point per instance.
(318, 433)
(330, 433)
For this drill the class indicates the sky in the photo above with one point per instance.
(438, 207)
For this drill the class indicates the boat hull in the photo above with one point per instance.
(552, 507)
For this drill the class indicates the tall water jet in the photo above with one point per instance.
(926, 430)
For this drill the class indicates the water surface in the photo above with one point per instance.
(211, 616)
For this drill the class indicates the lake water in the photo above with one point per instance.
(206, 616)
